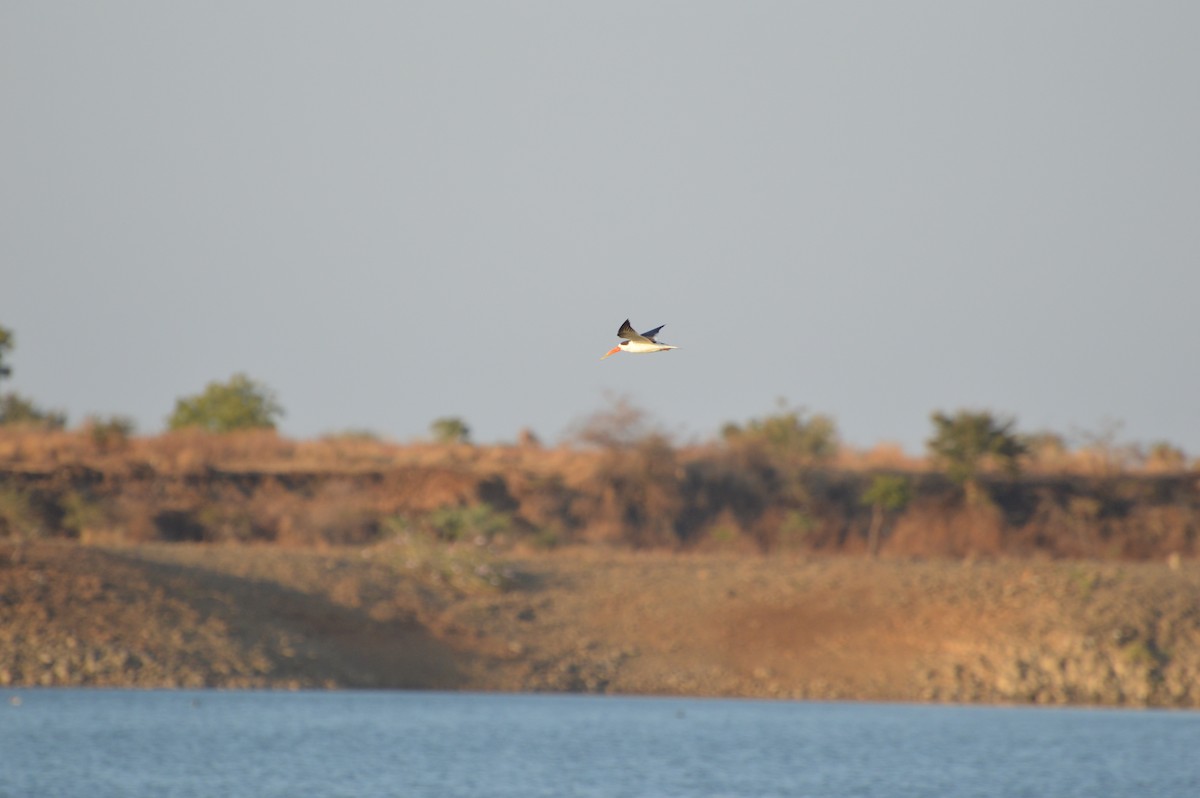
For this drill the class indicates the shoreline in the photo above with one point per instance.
(983, 632)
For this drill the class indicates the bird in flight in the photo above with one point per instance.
(638, 344)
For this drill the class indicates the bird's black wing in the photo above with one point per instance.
(649, 334)
(628, 332)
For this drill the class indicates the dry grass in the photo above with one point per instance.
(193, 451)
(342, 490)
(881, 457)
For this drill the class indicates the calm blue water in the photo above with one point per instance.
(230, 744)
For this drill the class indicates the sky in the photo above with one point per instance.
(392, 212)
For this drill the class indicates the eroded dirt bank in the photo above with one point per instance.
(599, 621)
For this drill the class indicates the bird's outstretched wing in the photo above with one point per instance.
(627, 332)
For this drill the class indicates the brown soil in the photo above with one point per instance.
(603, 621)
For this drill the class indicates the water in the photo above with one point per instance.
(231, 744)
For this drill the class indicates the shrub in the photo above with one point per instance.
(1104, 454)
(16, 409)
(887, 493)
(636, 488)
(241, 403)
(479, 524)
(1164, 456)
(19, 520)
(109, 434)
(1046, 451)
(337, 514)
(6, 345)
(969, 441)
(638, 495)
(781, 453)
(621, 424)
(788, 435)
(84, 516)
(476, 522)
(450, 429)
(468, 567)
(796, 530)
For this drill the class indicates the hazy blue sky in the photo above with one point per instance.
(390, 212)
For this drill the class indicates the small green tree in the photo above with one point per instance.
(965, 443)
(788, 435)
(887, 493)
(109, 434)
(6, 345)
(450, 429)
(241, 403)
(16, 409)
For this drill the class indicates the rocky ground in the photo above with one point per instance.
(594, 620)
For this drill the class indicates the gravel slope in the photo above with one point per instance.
(597, 621)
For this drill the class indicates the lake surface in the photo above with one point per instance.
(158, 744)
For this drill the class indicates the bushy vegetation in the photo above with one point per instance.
(109, 434)
(6, 345)
(620, 424)
(781, 482)
(636, 495)
(466, 565)
(256, 487)
(886, 495)
(240, 403)
(19, 520)
(478, 523)
(450, 429)
(790, 435)
(17, 410)
(967, 442)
